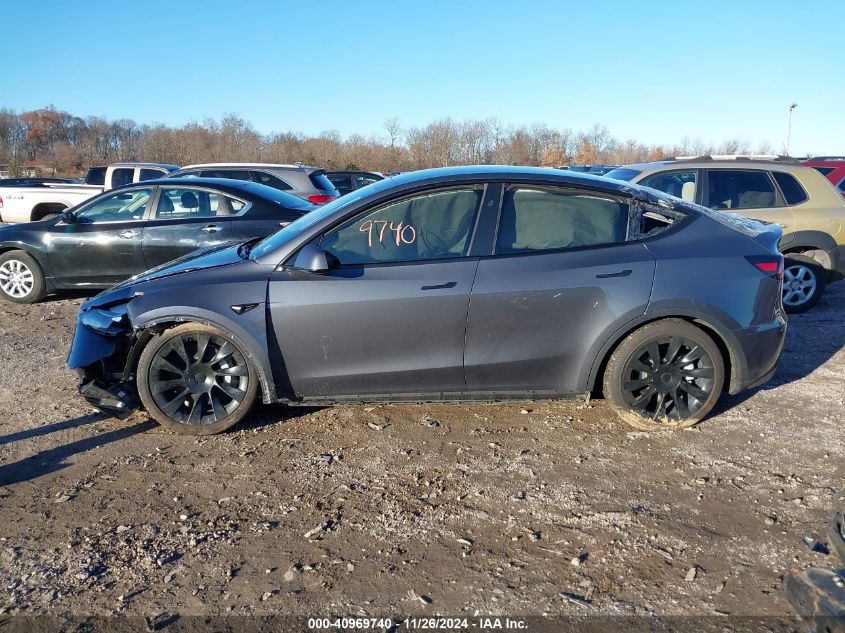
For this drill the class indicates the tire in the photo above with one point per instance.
(191, 397)
(21, 278)
(804, 281)
(678, 394)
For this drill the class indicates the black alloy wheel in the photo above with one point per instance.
(194, 379)
(668, 374)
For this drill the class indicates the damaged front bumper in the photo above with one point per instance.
(100, 352)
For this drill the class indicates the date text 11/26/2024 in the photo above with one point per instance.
(419, 624)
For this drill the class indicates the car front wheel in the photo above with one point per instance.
(665, 375)
(194, 379)
(21, 279)
(803, 283)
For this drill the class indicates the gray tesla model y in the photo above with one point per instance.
(471, 283)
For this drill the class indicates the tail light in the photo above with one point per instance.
(1, 202)
(770, 265)
(320, 198)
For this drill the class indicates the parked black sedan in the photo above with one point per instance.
(128, 230)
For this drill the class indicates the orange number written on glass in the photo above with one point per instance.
(402, 233)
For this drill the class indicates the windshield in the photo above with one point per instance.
(623, 173)
(281, 236)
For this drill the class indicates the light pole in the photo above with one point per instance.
(789, 128)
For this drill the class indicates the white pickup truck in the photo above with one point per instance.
(46, 200)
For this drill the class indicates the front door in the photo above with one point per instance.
(562, 274)
(102, 244)
(389, 316)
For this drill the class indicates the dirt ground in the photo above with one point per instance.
(540, 508)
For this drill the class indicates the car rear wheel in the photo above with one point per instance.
(21, 279)
(803, 283)
(194, 379)
(665, 375)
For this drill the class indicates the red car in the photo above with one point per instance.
(833, 168)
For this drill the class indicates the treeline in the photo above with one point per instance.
(70, 144)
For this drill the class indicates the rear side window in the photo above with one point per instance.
(151, 174)
(681, 184)
(791, 189)
(176, 204)
(823, 170)
(320, 181)
(732, 189)
(535, 220)
(364, 180)
(96, 176)
(232, 174)
(271, 181)
(122, 176)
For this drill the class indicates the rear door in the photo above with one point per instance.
(561, 277)
(184, 219)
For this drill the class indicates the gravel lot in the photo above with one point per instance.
(554, 508)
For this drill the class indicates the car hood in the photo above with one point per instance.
(211, 257)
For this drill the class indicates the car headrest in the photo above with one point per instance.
(189, 200)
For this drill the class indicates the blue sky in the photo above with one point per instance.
(655, 70)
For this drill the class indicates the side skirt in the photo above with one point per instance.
(436, 398)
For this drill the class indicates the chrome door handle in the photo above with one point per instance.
(128, 234)
(211, 228)
(283, 224)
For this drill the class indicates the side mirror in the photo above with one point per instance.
(311, 258)
(67, 217)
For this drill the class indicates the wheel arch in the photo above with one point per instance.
(45, 208)
(823, 246)
(725, 341)
(149, 326)
(40, 258)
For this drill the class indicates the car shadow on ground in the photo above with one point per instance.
(812, 339)
(266, 415)
(53, 459)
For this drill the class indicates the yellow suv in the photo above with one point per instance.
(773, 189)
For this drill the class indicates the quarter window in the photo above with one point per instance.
(271, 181)
(535, 220)
(681, 184)
(433, 226)
(125, 206)
(190, 203)
(732, 189)
(792, 191)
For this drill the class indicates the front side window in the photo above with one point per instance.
(791, 189)
(190, 203)
(427, 227)
(681, 184)
(732, 189)
(122, 176)
(125, 206)
(539, 220)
